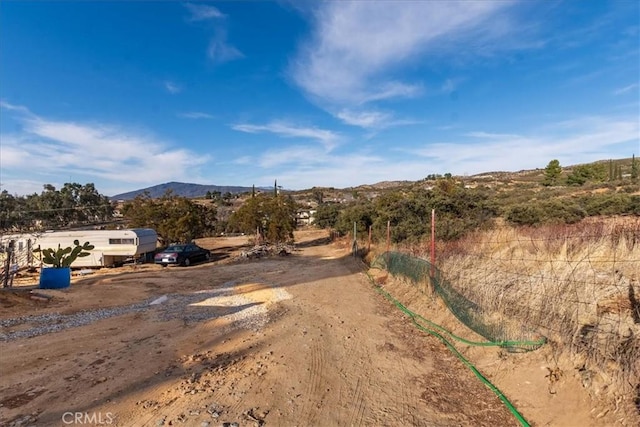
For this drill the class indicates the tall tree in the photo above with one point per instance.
(612, 170)
(552, 173)
(634, 168)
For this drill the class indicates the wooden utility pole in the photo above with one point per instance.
(7, 264)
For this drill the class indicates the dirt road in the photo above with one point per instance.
(299, 340)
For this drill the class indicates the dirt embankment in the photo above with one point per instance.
(302, 339)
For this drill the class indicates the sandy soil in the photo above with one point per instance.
(299, 340)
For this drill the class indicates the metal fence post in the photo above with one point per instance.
(433, 248)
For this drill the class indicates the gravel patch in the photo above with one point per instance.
(240, 310)
(223, 302)
(54, 322)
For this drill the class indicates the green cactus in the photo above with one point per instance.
(64, 257)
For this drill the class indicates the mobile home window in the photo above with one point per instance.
(121, 241)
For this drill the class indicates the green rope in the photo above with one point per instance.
(455, 351)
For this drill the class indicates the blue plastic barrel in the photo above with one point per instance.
(55, 278)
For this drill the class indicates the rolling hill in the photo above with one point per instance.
(180, 189)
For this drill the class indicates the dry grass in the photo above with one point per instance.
(576, 284)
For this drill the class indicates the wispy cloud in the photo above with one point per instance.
(16, 108)
(195, 115)
(626, 89)
(356, 46)
(300, 167)
(327, 138)
(294, 156)
(339, 171)
(172, 87)
(574, 141)
(51, 147)
(371, 119)
(219, 49)
(365, 119)
(202, 12)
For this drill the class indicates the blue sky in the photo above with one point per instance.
(130, 94)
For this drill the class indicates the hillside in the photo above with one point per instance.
(181, 189)
(498, 178)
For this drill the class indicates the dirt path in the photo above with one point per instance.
(284, 341)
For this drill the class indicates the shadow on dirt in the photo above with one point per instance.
(316, 242)
(218, 256)
(188, 367)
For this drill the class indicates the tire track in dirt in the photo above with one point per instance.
(357, 415)
(355, 383)
(357, 353)
(314, 394)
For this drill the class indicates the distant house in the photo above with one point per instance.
(111, 247)
(305, 216)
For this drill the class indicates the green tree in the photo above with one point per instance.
(362, 213)
(73, 204)
(613, 169)
(175, 218)
(552, 173)
(83, 203)
(407, 213)
(274, 217)
(249, 217)
(327, 215)
(9, 211)
(281, 219)
(634, 169)
(595, 172)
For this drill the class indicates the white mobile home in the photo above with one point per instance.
(111, 247)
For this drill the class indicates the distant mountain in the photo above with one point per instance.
(182, 189)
